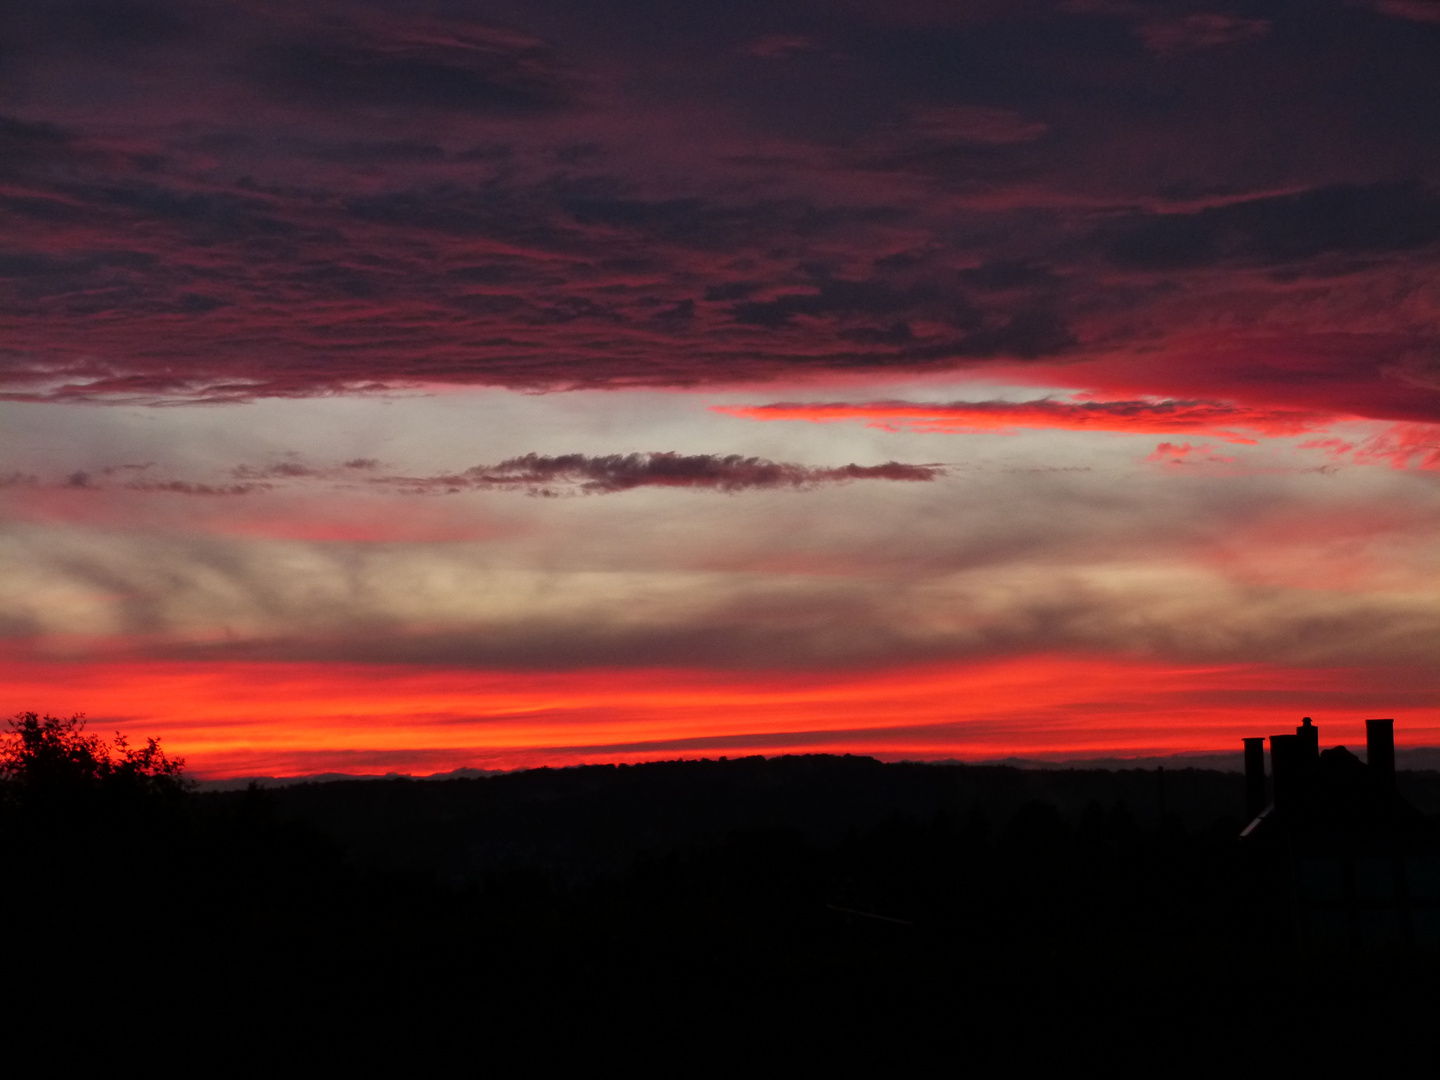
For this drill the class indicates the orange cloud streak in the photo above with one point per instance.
(1141, 417)
(233, 719)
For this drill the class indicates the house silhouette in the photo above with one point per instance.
(1360, 865)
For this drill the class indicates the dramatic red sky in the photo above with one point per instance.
(407, 386)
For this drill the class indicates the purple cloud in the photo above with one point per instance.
(609, 473)
(257, 200)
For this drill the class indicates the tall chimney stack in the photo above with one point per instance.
(1309, 740)
(1286, 753)
(1380, 752)
(1254, 777)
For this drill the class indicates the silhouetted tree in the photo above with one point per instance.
(55, 754)
(76, 810)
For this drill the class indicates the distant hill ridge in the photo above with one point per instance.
(1414, 759)
(590, 820)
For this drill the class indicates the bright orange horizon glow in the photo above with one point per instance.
(284, 719)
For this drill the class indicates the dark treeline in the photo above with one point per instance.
(579, 822)
(817, 893)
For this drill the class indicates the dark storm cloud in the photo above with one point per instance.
(879, 312)
(25, 144)
(780, 46)
(839, 297)
(609, 473)
(103, 30)
(413, 67)
(1003, 275)
(1167, 28)
(1343, 219)
(959, 146)
(254, 199)
(389, 152)
(1419, 10)
(1025, 333)
(1203, 30)
(709, 223)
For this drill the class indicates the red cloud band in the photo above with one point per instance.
(236, 718)
(1146, 417)
(1402, 446)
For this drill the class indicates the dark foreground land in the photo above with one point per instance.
(831, 906)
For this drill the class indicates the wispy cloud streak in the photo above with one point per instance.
(543, 474)
(1403, 446)
(1220, 419)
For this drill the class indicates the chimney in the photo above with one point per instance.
(1286, 763)
(1254, 777)
(1310, 740)
(1380, 753)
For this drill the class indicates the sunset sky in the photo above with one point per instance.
(402, 386)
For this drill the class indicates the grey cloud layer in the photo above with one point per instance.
(1257, 570)
(543, 474)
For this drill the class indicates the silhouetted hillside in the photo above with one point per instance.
(832, 892)
(580, 822)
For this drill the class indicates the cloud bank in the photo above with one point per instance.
(257, 200)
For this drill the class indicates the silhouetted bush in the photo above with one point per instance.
(45, 755)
